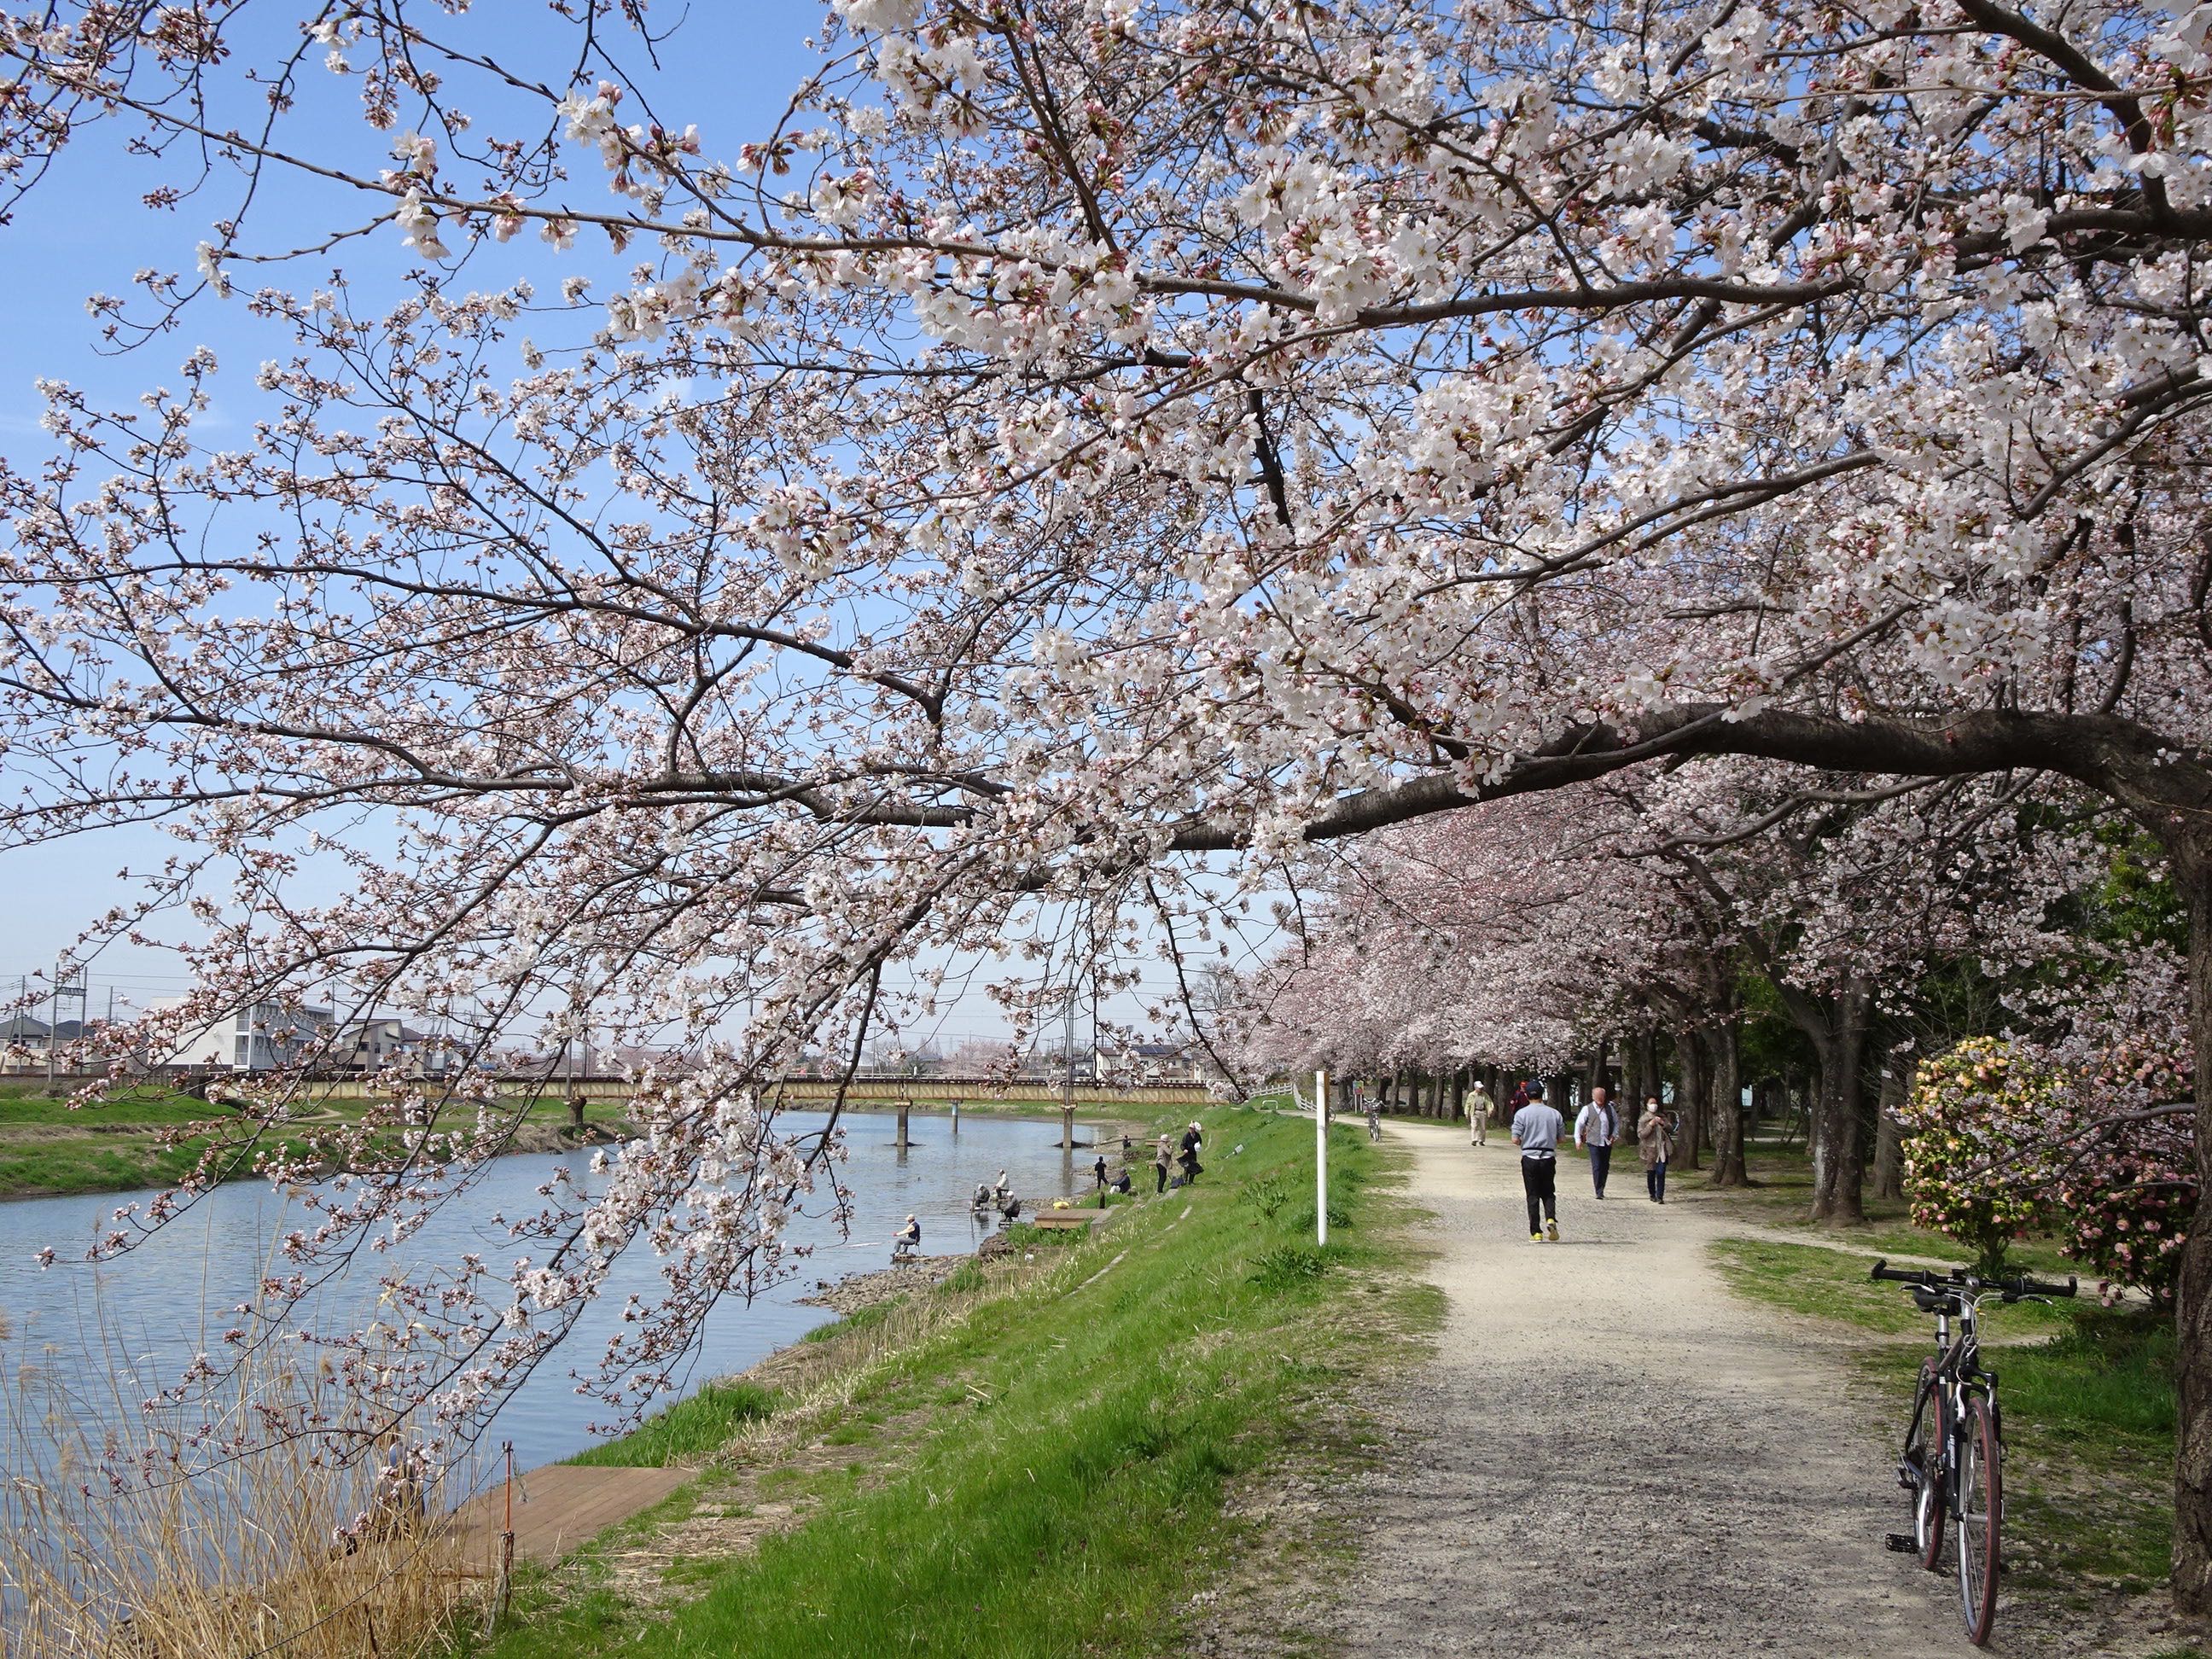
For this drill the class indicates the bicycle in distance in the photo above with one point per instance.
(1952, 1464)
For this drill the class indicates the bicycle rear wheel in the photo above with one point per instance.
(1981, 1505)
(1924, 1456)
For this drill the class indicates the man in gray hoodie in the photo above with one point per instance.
(1536, 1132)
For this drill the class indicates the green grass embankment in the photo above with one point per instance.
(49, 1148)
(2090, 1410)
(1036, 1458)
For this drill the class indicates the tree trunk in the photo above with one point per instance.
(1837, 1027)
(1690, 1099)
(2192, 1469)
(1888, 1144)
(1727, 1107)
(1459, 1094)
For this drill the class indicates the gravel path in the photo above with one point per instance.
(1612, 1455)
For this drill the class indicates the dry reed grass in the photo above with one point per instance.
(242, 1557)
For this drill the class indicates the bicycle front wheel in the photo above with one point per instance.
(1981, 1506)
(1924, 1442)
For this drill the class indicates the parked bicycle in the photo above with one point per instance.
(1952, 1464)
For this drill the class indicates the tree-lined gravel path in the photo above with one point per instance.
(1610, 1454)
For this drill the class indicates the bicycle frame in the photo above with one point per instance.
(1959, 1374)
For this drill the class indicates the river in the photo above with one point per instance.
(117, 1333)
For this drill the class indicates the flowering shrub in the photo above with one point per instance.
(2001, 1137)
(1974, 1127)
(2125, 1197)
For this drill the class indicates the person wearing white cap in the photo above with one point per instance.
(1478, 1109)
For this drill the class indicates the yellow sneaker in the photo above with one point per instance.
(1536, 1239)
(1551, 1228)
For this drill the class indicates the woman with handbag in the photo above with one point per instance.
(1655, 1144)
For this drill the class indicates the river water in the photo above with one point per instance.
(116, 1334)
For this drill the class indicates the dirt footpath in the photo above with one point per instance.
(1611, 1455)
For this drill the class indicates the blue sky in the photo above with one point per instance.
(87, 230)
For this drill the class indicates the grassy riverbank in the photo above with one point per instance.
(1037, 1458)
(51, 1149)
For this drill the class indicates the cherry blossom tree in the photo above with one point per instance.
(1466, 938)
(1086, 433)
(1846, 893)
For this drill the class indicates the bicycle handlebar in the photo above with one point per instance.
(1963, 1278)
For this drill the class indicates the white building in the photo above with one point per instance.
(256, 1038)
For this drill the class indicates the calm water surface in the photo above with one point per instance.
(121, 1331)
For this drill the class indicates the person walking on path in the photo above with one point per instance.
(1162, 1155)
(1536, 1132)
(1597, 1126)
(1374, 1120)
(1479, 1106)
(1655, 1144)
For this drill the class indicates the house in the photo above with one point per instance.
(1151, 1062)
(383, 1043)
(24, 1038)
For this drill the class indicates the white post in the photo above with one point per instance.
(1321, 1157)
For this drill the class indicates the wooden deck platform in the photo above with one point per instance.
(1067, 1219)
(560, 1507)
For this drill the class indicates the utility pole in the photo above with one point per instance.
(68, 981)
